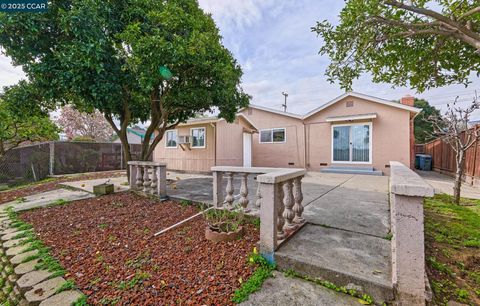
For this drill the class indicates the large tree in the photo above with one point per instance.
(415, 43)
(22, 120)
(108, 55)
(85, 125)
(424, 128)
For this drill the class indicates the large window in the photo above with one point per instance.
(198, 137)
(352, 143)
(171, 139)
(273, 135)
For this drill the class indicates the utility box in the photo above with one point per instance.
(424, 162)
(103, 189)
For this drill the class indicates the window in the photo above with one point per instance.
(171, 139)
(352, 143)
(273, 135)
(198, 137)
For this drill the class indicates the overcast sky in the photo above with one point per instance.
(273, 43)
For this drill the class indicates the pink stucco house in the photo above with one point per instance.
(351, 131)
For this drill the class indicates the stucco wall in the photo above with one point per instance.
(288, 154)
(230, 143)
(390, 133)
(190, 160)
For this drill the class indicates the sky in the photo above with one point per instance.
(273, 43)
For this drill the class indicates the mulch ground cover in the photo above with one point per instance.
(52, 184)
(107, 246)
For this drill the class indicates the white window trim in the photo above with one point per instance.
(370, 145)
(263, 142)
(205, 135)
(166, 139)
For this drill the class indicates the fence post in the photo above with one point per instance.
(52, 158)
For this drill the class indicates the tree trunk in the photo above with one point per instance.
(457, 185)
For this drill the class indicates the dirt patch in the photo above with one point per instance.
(51, 184)
(107, 246)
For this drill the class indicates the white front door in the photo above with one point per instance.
(351, 143)
(247, 149)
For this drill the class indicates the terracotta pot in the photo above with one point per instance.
(216, 236)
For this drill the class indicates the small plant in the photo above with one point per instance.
(256, 280)
(462, 295)
(68, 285)
(82, 301)
(389, 236)
(103, 225)
(224, 220)
(21, 200)
(185, 203)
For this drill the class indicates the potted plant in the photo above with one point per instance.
(224, 224)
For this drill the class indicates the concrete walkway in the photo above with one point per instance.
(282, 290)
(444, 184)
(47, 198)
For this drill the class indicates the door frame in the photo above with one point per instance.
(247, 149)
(370, 144)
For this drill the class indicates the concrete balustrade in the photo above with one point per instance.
(148, 177)
(407, 192)
(279, 197)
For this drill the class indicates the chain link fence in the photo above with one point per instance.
(36, 162)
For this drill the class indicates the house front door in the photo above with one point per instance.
(351, 143)
(247, 149)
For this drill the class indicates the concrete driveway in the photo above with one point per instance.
(357, 203)
(444, 184)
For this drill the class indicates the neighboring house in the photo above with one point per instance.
(135, 135)
(352, 130)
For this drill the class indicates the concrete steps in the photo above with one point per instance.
(352, 170)
(345, 258)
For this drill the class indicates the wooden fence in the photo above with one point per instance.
(443, 159)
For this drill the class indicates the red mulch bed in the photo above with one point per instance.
(12, 195)
(107, 246)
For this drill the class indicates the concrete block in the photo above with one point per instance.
(64, 298)
(18, 259)
(43, 290)
(27, 281)
(13, 251)
(10, 235)
(25, 267)
(13, 242)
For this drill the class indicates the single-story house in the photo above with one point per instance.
(352, 130)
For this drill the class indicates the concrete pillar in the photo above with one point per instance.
(162, 181)
(408, 251)
(268, 220)
(407, 192)
(217, 189)
(133, 176)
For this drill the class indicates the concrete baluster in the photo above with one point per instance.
(229, 198)
(153, 190)
(139, 181)
(146, 180)
(298, 197)
(244, 191)
(288, 213)
(258, 203)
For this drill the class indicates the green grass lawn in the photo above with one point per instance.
(452, 242)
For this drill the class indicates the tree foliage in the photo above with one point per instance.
(424, 129)
(106, 55)
(22, 121)
(82, 125)
(405, 43)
